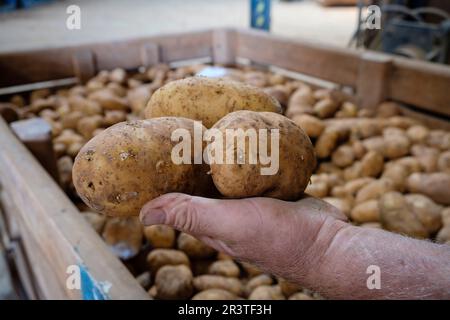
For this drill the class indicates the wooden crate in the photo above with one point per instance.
(56, 235)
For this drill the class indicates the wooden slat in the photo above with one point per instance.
(54, 223)
(373, 79)
(422, 84)
(83, 62)
(43, 65)
(224, 47)
(428, 120)
(328, 63)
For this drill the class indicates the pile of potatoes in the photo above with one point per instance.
(382, 169)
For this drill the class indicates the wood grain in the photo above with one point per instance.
(58, 231)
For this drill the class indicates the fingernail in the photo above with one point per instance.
(152, 216)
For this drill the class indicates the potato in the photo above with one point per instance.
(344, 205)
(343, 156)
(317, 188)
(397, 173)
(108, 100)
(388, 109)
(439, 139)
(354, 171)
(300, 296)
(443, 162)
(162, 257)
(446, 216)
(65, 165)
(18, 100)
(325, 108)
(371, 164)
(60, 150)
(350, 188)
(260, 280)
(366, 127)
(174, 282)
(139, 97)
(396, 146)
(444, 235)
(118, 75)
(411, 164)
(426, 210)
(296, 159)
(301, 101)
(287, 288)
(358, 149)
(251, 270)
(374, 144)
(310, 124)
(256, 79)
(401, 122)
(215, 294)
(327, 142)
(207, 281)
(153, 292)
(130, 163)
(276, 79)
(123, 236)
(96, 220)
(117, 89)
(279, 93)
(366, 211)
(417, 133)
(70, 120)
(74, 148)
(113, 116)
(374, 190)
(330, 168)
(68, 137)
(160, 236)
(348, 110)
(397, 217)
(39, 94)
(267, 293)
(207, 100)
(427, 157)
(144, 279)
(192, 247)
(226, 268)
(87, 125)
(375, 225)
(434, 185)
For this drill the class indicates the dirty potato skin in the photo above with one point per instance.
(207, 99)
(129, 164)
(296, 159)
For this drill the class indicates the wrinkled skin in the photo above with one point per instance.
(309, 242)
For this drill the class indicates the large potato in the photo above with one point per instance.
(240, 179)
(130, 163)
(174, 282)
(207, 100)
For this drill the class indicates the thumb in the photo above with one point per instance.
(197, 215)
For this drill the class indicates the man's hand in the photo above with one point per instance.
(310, 243)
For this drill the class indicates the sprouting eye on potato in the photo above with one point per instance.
(131, 163)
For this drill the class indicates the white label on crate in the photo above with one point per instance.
(73, 21)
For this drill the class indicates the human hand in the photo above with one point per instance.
(310, 243)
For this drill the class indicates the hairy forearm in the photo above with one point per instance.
(409, 268)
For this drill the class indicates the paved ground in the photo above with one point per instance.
(44, 26)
